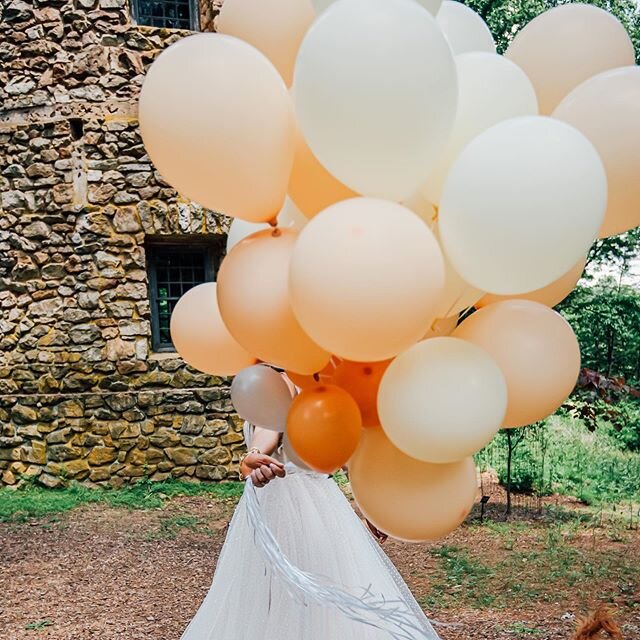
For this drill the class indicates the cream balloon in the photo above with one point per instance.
(490, 89)
(522, 204)
(419, 204)
(567, 45)
(253, 294)
(551, 295)
(457, 294)
(441, 327)
(241, 168)
(409, 499)
(366, 276)
(432, 6)
(537, 351)
(289, 217)
(375, 105)
(464, 29)
(276, 28)
(606, 109)
(200, 336)
(442, 400)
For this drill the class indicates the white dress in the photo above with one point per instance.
(318, 532)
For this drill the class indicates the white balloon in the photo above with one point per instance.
(442, 400)
(430, 5)
(458, 294)
(375, 92)
(490, 89)
(522, 204)
(240, 229)
(464, 28)
(290, 216)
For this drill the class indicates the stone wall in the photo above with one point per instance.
(81, 393)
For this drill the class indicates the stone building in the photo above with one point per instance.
(94, 250)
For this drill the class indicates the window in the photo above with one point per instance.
(174, 14)
(173, 268)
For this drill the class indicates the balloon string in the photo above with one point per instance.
(394, 617)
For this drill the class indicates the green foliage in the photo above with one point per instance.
(35, 502)
(527, 564)
(564, 457)
(606, 320)
(39, 625)
(506, 17)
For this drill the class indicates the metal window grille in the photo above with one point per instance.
(172, 14)
(173, 269)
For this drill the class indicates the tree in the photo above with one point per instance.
(606, 320)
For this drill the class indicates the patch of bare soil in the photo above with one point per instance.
(99, 573)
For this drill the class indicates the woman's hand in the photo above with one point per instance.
(261, 468)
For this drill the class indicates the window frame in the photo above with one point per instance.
(194, 15)
(212, 253)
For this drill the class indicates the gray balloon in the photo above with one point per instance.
(262, 397)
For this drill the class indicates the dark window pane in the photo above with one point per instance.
(173, 270)
(175, 14)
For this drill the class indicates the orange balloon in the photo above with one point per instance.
(200, 337)
(406, 498)
(551, 295)
(361, 381)
(324, 427)
(305, 381)
(311, 186)
(276, 28)
(537, 351)
(253, 294)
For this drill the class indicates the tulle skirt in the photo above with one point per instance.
(319, 532)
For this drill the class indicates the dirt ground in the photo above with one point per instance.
(114, 574)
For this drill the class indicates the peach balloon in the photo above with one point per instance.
(276, 28)
(324, 427)
(200, 336)
(537, 351)
(406, 498)
(311, 186)
(253, 295)
(241, 168)
(606, 109)
(366, 276)
(551, 295)
(361, 381)
(567, 45)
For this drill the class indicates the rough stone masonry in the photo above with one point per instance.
(82, 396)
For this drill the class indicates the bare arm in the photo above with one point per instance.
(261, 467)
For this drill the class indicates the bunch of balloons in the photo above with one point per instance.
(387, 170)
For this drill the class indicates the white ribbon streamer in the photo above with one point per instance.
(392, 616)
